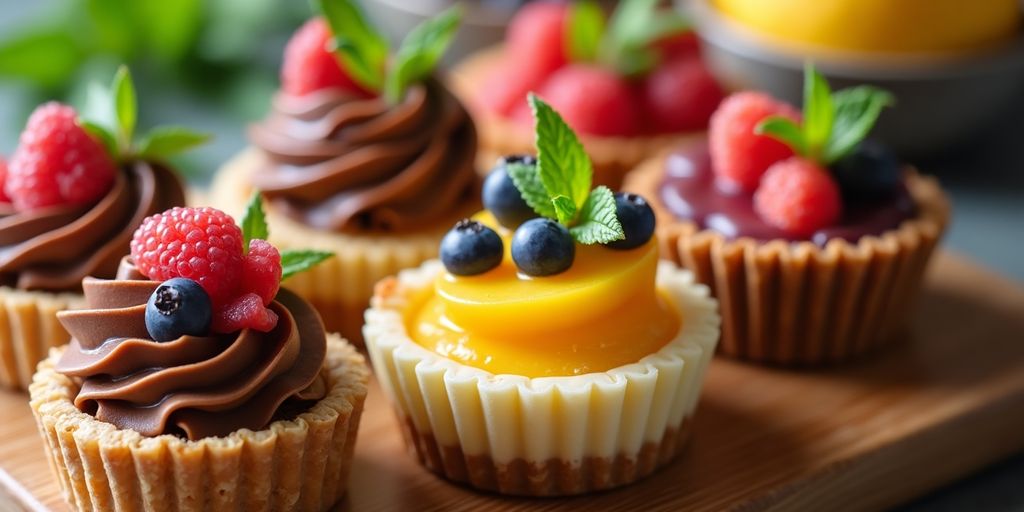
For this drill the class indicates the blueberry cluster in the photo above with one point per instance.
(539, 246)
(178, 307)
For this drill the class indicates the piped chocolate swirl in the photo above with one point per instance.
(54, 248)
(194, 386)
(341, 163)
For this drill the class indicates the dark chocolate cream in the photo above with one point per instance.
(54, 248)
(340, 163)
(689, 191)
(193, 386)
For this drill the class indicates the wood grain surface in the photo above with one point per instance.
(860, 437)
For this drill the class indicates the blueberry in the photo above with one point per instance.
(543, 247)
(179, 307)
(637, 219)
(502, 198)
(870, 173)
(470, 248)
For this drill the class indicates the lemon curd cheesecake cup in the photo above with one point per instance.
(372, 166)
(544, 358)
(171, 396)
(71, 197)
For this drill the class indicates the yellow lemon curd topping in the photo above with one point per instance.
(604, 312)
(898, 26)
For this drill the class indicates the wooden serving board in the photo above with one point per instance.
(860, 437)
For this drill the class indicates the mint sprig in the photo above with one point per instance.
(363, 50)
(625, 42)
(254, 227)
(559, 186)
(420, 52)
(833, 122)
(111, 115)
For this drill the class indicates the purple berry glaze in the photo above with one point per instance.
(690, 192)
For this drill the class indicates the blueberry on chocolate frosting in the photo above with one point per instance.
(178, 307)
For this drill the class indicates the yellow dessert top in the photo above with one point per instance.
(538, 286)
(882, 26)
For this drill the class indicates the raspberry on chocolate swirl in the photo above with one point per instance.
(53, 248)
(340, 162)
(194, 386)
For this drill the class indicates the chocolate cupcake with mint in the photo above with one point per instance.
(364, 153)
(71, 196)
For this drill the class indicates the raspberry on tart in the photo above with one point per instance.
(311, 65)
(739, 155)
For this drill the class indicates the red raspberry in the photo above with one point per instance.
(57, 162)
(3, 180)
(535, 41)
(502, 92)
(681, 95)
(310, 66)
(261, 271)
(592, 100)
(798, 196)
(246, 311)
(201, 244)
(738, 155)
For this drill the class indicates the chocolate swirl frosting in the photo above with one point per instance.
(193, 386)
(340, 163)
(54, 248)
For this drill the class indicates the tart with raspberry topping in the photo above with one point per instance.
(549, 351)
(813, 238)
(364, 154)
(193, 378)
(629, 84)
(72, 193)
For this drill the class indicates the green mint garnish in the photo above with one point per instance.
(833, 123)
(296, 261)
(586, 28)
(254, 227)
(420, 52)
(527, 180)
(559, 186)
(626, 43)
(254, 221)
(363, 50)
(111, 115)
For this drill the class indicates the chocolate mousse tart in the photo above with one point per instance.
(371, 173)
(815, 262)
(169, 397)
(70, 204)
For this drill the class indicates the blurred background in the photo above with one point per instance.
(213, 65)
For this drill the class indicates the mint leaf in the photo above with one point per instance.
(102, 134)
(598, 223)
(420, 52)
(125, 106)
(586, 27)
(167, 141)
(254, 222)
(565, 209)
(818, 111)
(857, 110)
(563, 165)
(527, 180)
(634, 26)
(293, 262)
(784, 130)
(363, 51)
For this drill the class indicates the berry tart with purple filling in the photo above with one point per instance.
(194, 382)
(813, 238)
(364, 154)
(73, 192)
